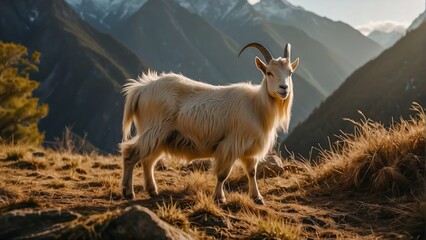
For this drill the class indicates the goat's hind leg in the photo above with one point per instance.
(130, 158)
(148, 164)
(132, 154)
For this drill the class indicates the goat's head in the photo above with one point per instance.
(277, 71)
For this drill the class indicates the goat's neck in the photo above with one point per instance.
(267, 106)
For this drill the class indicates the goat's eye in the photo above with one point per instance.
(269, 74)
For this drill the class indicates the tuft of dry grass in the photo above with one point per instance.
(173, 215)
(9, 194)
(376, 159)
(270, 227)
(199, 181)
(110, 186)
(205, 203)
(236, 202)
(15, 153)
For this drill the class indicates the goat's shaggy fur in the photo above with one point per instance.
(186, 119)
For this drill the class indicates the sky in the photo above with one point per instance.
(366, 15)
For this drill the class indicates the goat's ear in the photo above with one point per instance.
(295, 64)
(261, 65)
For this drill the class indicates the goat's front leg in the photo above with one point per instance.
(223, 168)
(250, 166)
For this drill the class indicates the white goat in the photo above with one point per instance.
(180, 117)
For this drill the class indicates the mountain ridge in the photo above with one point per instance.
(386, 39)
(351, 45)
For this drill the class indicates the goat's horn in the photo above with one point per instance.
(287, 51)
(262, 49)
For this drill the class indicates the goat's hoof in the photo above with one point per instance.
(153, 193)
(221, 200)
(128, 196)
(259, 201)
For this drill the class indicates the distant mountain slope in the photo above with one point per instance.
(81, 69)
(339, 37)
(382, 89)
(418, 21)
(385, 39)
(183, 42)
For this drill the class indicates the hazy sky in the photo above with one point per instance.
(365, 12)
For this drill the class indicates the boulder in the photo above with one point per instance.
(134, 222)
(29, 224)
(137, 222)
(272, 166)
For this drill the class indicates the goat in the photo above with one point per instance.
(183, 118)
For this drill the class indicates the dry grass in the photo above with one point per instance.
(9, 194)
(172, 214)
(370, 187)
(205, 203)
(272, 227)
(378, 160)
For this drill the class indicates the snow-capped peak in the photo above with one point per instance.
(100, 10)
(275, 8)
(216, 10)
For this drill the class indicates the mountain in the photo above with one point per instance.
(339, 37)
(81, 70)
(417, 22)
(105, 14)
(183, 42)
(385, 39)
(383, 89)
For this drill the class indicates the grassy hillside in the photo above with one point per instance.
(373, 188)
(382, 89)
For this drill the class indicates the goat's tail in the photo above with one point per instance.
(132, 91)
(130, 106)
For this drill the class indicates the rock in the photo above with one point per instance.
(134, 222)
(272, 166)
(137, 222)
(28, 223)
